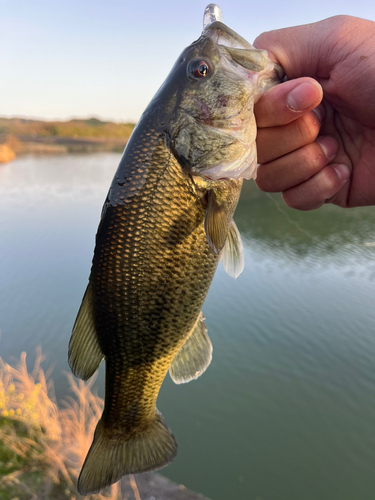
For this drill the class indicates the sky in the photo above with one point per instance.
(82, 58)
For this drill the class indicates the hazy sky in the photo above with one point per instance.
(65, 58)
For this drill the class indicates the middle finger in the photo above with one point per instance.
(274, 142)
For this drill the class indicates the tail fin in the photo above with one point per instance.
(111, 457)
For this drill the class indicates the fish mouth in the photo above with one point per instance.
(221, 34)
(236, 49)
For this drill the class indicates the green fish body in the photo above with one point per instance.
(166, 223)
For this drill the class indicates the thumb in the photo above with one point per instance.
(337, 52)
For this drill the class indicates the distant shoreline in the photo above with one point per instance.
(22, 136)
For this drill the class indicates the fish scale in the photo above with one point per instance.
(160, 307)
(166, 223)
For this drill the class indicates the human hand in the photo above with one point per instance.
(338, 167)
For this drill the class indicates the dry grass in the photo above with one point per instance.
(91, 127)
(40, 436)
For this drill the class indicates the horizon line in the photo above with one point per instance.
(69, 118)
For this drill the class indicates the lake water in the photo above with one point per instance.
(286, 411)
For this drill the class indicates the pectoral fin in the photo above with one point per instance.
(215, 224)
(85, 354)
(194, 356)
(232, 253)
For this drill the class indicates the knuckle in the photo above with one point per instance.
(312, 158)
(330, 182)
(262, 40)
(342, 20)
(308, 127)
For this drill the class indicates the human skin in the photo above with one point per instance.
(326, 156)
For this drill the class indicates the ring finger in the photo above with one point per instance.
(296, 167)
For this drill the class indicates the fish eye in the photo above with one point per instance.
(200, 69)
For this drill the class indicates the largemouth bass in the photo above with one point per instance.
(166, 223)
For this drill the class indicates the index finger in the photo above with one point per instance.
(287, 101)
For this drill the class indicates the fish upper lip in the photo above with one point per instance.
(216, 26)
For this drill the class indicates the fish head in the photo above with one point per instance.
(209, 97)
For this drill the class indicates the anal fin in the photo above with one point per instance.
(194, 356)
(85, 354)
(232, 254)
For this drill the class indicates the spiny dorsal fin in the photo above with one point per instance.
(232, 254)
(194, 356)
(215, 223)
(85, 354)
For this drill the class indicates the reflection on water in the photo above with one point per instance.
(291, 234)
(286, 410)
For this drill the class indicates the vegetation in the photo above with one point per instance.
(20, 136)
(42, 446)
(92, 128)
(6, 153)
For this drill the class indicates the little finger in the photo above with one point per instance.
(319, 189)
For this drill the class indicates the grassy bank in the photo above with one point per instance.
(42, 445)
(91, 127)
(23, 136)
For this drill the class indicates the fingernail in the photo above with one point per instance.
(342, 171)
(302, 96)
(329, 146)
(320, 112)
